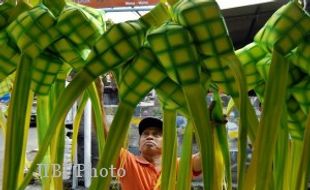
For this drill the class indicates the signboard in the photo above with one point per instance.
(116, 3)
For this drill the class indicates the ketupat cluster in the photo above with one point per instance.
(29, 41)
(171, 52)
(280, 40)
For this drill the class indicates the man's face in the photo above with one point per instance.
(151, 141)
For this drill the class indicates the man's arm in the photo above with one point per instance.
(196, 163)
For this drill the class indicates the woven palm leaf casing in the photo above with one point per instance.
(301, 93)
(116, 46)
(220, 73)
(285, 29)
(175, 49)
(44, 72)
(99, 15)
(296, 119)
(9, 57)
(263, 66)
(71, 53)
(34, 30)
(6, 85)
(301, 56)
(79, 26)
(5, 9)
(207, 25)
(9, 12)
(157, 16)
(63, 72)
(140, 77)
(3, 37)
(171, 96)
(249, 56)
(295, 74)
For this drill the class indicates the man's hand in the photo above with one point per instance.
(216, 121)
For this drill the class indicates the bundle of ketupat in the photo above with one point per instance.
(138, 78)
(282, 33)
(9, 55)
(114, 48)
(193, 46)
(79, 35)
(174, 47)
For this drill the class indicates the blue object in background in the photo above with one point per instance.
(181, 122)
(5, 98)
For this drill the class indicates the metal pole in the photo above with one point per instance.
(87, 144)
(75, 181)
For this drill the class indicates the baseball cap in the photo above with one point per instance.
(149, 122)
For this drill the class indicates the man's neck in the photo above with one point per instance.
(155, 160)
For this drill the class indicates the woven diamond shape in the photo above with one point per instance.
(34, 30)
(179, 56)
(301, 57)
(44, 72)
(135, 78)
(72, 54)
(285, 29)
(207, 25)
(108, 54)
(296, 119)
(9, 58)
(249, 56)
(171, 96)
(79, 26)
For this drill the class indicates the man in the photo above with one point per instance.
(142, 171)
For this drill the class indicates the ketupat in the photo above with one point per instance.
(173, 101)
(206, 23)
(44, 72)
(71, 53)
(207, 26)
(76, 44)
(34, 30)
(295, 74)
(6, 87)
(9, 11)
(9, 55)
(172, 98)
(249, 57)
(301, 92)
(174, 47)
(118, 51)
(137, 80)
(301, 55)
(9, 58)
(99, 15)
(288, 25)
(295, 110)
(280, 35)
(296, 119)
(285, 30)
(79, 26)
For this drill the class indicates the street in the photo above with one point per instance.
(32, 145)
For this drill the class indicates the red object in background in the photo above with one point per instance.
(116, 3)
